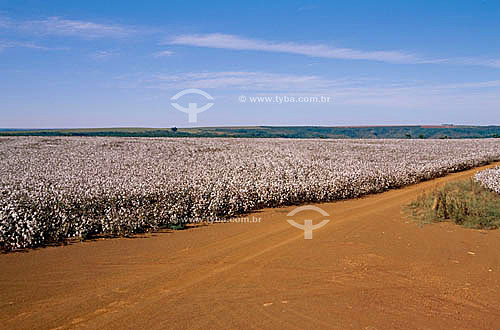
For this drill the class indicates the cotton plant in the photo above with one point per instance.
(59, 188)
(489, 178)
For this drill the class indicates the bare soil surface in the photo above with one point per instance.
(368, 268)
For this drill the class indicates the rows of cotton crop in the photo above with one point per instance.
(52, 189)
(490, 179)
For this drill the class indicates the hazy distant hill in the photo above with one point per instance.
(361, 132)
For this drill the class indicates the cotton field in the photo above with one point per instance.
(53, 189)
(490, 179)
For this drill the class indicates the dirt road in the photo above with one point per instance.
(368, 268)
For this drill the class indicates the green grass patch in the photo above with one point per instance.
(463, 202)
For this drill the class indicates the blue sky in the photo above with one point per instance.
(118, 63)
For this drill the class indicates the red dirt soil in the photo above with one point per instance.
(368, 268)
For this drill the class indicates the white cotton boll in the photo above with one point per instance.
(490, 179)
(56, 188)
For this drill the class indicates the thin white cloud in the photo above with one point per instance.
(227, 41)
(103, 54)
(4, 22)
(474, 61)
(254, 81)
(75, 28)
(307, 8)
(345, 91)
(471, 85)
(19, 44)
(272, 83)
(163, 53)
